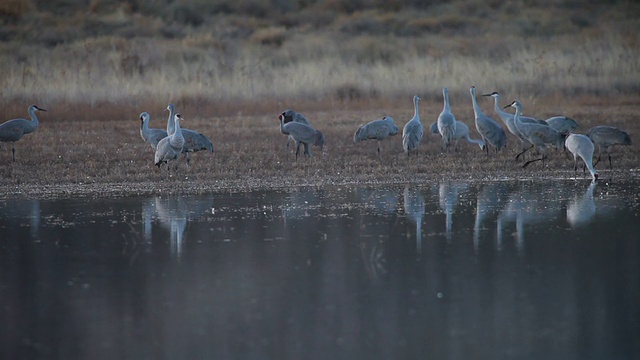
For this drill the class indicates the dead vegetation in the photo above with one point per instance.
(73, 154)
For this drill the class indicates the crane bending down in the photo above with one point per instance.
(462, 132)
(562, 124)
(149, 135)
(488, 128)
(581, 145)
(446, 121)
(302, 135)
(412, 131)
(170, 147)
(605, 137)
(540, 136)
(193, 140)
(376, 129)
(14, 129)
(293, 116)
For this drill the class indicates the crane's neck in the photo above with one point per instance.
(476, 108)
(177, 140)
(170, 122)
(416, 114)
(516, 117)
(282, 126)
(447, 106)
(498, 109)
(144, 124)
(33, 124)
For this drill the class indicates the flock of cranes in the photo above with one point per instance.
(532, 133)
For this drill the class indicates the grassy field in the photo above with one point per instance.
(232, 66)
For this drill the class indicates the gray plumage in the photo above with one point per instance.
(193, 140)
(14, 129)
(581, 145)
(413, 130)
(607, 136)
(302, 134)
(376, 130)
(507, 119)
(446, 121)
(462, 132)
(170, 147)
(562, 124)
(149, 135)
(540, 136)
(490, 131)
(293, 116)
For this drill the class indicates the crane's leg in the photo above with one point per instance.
(379, 149)
(13, 151)
(598, 159)
(610, 166)
(297, 149)
(524, 151)
(306, 151)
(186, 156)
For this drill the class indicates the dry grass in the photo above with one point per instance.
(73, 156)
(232, 66)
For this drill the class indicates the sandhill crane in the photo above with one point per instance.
(290, 115)
(170, 147)
(413, 130)
(507, 119)
(605, 137)
(302, 134)
(151, 136)
(488, 128)
(14, 129)
(581, 145)
(446, 121)
(540, 136)
(462, 132)
(376, 129)
(193, 140)
(562, 124)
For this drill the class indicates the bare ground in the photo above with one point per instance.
(74, 153)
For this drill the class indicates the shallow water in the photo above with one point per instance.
(526, 269)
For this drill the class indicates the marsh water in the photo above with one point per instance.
(509, 269)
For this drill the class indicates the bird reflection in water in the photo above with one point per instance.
(531, 203)
(582, 209)
(379, 203)
(173, 213)
(448, 194)
(491, 200)
(414, 206)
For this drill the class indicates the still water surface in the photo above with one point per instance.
(525, 270)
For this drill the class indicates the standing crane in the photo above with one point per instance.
(170, 147)
(581, 145)
(193, 140)
(413, 130)
(14, 129)
(488, 128)
(507, 119)
(605, 137)
(446, 121)
(376, 129)
(302, 134)
(462, 132)
(540, 136)
(151, 136)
